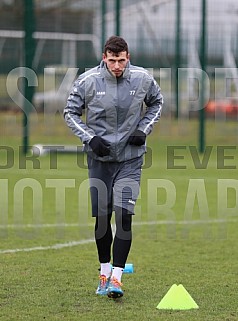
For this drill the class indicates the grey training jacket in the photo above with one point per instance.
(114, 109)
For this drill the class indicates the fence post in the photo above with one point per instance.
(203, 66)
(29, 47)
(118, 17)
(103, 12)
(177, 55)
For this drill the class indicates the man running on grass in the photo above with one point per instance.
(114, 135)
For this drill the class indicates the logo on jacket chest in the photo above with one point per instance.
(101, 93)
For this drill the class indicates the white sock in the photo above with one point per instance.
(117, 273)
(105, 269)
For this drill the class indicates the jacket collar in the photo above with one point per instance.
(106, 73)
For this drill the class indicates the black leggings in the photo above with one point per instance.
(122, 240)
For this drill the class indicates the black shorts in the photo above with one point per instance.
(114, 184)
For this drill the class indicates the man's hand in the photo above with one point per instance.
(99, 146)
(137, 138)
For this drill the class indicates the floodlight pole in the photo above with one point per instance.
(203, 66)
(29, 48)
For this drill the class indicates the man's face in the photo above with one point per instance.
(116, 63)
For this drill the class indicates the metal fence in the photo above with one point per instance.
(71, 33)
(56, 40)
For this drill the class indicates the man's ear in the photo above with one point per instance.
(104, 57)
(128, 56)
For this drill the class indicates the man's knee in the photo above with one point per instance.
(102, 226)
(123, 223)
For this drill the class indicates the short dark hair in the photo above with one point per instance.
(115, 44)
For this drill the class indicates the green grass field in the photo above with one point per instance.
(185, 228)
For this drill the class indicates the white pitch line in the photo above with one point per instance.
(161, 222)
(20, 226)
(58, 246)
(186, 222)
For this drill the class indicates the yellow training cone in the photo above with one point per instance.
(177, 298)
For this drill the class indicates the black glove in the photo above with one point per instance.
(137, 138)
(99, 146)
